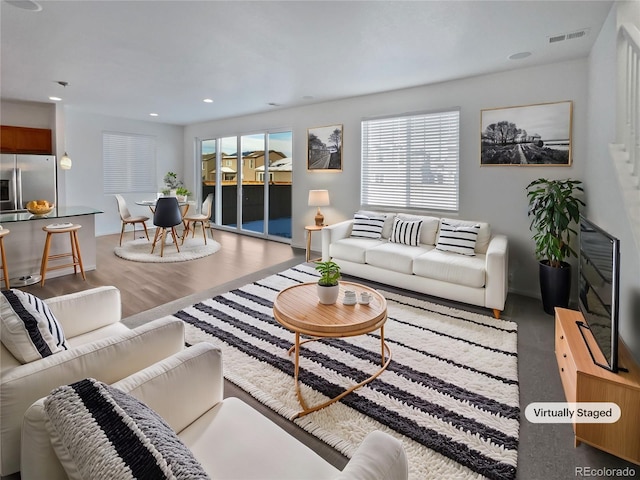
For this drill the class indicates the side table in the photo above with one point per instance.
(310, 229)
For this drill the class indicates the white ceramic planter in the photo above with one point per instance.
(328, 295)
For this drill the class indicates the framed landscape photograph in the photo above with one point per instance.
(324, 148)
(531, 135)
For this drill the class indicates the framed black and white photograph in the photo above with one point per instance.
(324, 148)
(530, 135)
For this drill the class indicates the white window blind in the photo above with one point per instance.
(129, 163)
(411, 161)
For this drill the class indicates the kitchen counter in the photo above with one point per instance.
(57, 212)
(25, 243)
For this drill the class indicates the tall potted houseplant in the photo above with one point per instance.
(554, 208)
(328, 286)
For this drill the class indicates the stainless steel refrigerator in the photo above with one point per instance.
(27, 177)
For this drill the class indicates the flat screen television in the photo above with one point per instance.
(599, 276)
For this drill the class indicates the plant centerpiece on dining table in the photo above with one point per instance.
(328, 286)
(172, 183)
(182, 193)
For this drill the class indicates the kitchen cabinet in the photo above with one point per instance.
(25, 140)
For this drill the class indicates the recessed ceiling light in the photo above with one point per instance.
(26, 5)
(208, 100)
(519, 55)
(153, 114)
(55, 99)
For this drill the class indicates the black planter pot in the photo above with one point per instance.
(555, 286)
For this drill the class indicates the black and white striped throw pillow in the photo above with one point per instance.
(29, 329)
(367, 226)
(406, 232)
(458, 238)
(110, 434)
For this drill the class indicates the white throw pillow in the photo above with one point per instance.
(458, 238)
(388, 220)
(29, 330)
(406, 232)
(367, 226)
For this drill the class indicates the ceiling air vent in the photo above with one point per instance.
(569, 36)
(557, 38)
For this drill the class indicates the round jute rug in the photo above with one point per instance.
(140, 251)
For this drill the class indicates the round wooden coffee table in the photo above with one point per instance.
(297, 308)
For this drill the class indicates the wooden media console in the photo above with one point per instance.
(584, 381)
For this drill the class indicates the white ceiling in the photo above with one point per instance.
(131, 58)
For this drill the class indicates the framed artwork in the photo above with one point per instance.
(531, 135)
(324, 148)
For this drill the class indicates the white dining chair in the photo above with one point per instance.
(127, 218)
(202, 218)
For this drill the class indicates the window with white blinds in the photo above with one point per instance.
(129, 163)
(411, 161)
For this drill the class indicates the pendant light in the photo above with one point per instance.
(65, 162)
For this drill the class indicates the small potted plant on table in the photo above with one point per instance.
(171, 183)
(328, 287)
(182, 193)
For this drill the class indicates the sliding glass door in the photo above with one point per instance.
(252, 187)
(254, 172)
(229, 177)
(278, 179)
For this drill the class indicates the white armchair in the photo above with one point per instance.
(226, 436)
(100, 346)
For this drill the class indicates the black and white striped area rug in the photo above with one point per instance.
(450, 392)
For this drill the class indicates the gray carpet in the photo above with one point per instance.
(545, 451)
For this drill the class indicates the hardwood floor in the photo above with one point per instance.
(147, 285)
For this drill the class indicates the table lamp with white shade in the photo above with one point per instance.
(319, 198)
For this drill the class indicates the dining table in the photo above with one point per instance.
(184, 207)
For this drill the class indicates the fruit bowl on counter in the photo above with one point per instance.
(40, 207)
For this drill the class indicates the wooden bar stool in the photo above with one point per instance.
(3, 258)
(76, 262)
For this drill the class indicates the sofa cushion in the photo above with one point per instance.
(406, 232)
(458, 238)
(430, 226)
(367, 226)
(100, 432)
(29, 329)
(353, 249)
(452, 267)
(484, 235)
(395, 256)
(388, 220)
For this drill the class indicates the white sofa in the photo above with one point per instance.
(99, 346)
(481, 279)
(227, 437)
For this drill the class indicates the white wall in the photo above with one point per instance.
(493, 194)
(603, 193)
(28, 114)
(82, 185)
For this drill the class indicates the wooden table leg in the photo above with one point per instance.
(308, 245)
(382, 344)
(306, 409)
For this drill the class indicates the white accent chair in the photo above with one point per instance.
(229, 439)
(100, 346)
(128, 219)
